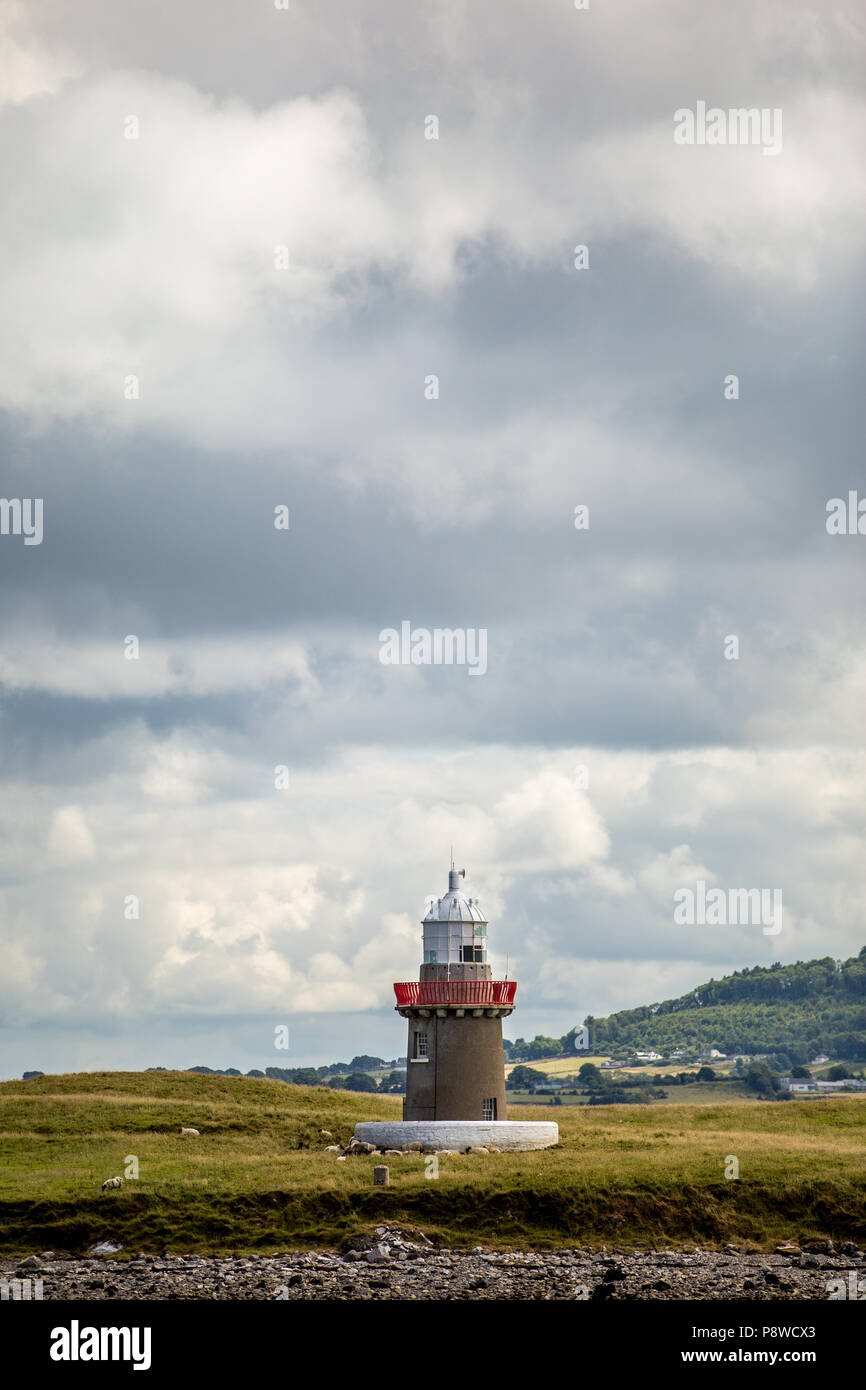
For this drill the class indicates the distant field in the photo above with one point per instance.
(570, 1066)
(697, 1094)
(257, 1178)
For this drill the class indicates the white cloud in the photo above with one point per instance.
(154, 257)
(30, 68)
(277, 907)
(194, 667)
(69, 837)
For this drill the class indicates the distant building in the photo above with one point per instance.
(793, 1084)
(712, 1054)
(816, 1061)
(648, 1056)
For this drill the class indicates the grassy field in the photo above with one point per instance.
(556, 1067)
(257, 1178)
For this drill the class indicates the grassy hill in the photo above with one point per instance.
(258, 1179)
(803, 1009)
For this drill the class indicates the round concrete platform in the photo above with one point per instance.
(507, 1135)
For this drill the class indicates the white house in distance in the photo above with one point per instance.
(795, 1084)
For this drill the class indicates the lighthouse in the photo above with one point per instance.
(455, 1072)
(454, 1066)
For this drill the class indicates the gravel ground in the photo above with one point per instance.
(390, 1263)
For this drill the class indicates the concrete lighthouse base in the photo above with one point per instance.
(507, 1135)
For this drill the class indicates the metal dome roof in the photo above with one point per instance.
(454, 906)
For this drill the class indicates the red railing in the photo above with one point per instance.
(456, 992)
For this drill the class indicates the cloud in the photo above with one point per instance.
(69, 838)
(311, 902)
(103, 671)
(165, 384)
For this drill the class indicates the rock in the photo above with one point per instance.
(414, 1148)
(602, 1291)
(788, 1250)
(732, 1249)
(31, 1262)
(819, 1247)
(428, 1149)
(381, 1175)
(392, 1153)
(402, 1263)
(105, 1247)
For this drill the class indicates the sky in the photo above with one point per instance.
(298, 347)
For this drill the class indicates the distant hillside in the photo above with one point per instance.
(813, 1006)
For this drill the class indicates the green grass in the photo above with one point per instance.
(257, 1178)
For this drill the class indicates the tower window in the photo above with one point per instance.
(472, 953)
(420, 1044)
(429, 957)
(488, 1108)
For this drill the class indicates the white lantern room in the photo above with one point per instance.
(455, 929)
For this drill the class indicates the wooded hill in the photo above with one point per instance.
(803, 1009)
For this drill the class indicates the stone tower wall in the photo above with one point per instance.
(464, 1067)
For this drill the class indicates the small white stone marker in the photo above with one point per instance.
(381, 1175)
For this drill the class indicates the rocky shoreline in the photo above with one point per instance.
(399, 1264)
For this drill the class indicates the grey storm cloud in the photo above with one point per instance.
(154, 258)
